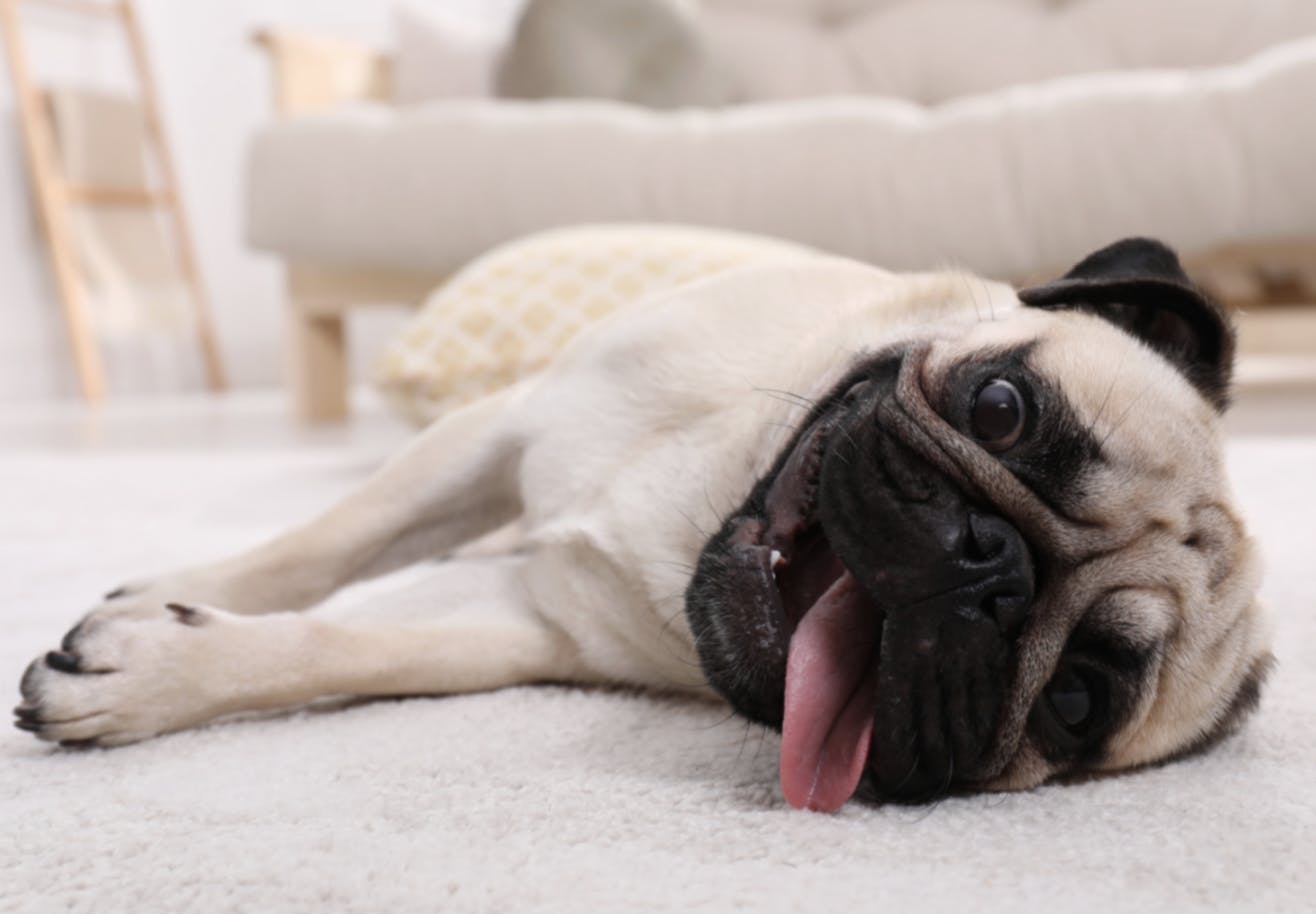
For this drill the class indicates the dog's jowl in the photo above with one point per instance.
(945, 536)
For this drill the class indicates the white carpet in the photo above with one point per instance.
(556, 799)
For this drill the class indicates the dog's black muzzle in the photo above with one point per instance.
(954, 581)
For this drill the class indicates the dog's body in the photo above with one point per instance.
(664, 468)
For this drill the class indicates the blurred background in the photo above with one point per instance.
(216, 90)
(295, 206)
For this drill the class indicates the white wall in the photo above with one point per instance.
(214, 89)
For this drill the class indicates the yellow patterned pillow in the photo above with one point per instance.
(506, 314)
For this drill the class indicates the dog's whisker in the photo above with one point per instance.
(787, 396)
(719, 513)
(667, 629)
(991, 305)
(792, 427)
(930, 806)
(918, 758)
(1114, 379)
(950, 772)
(722, 721)
(694, 524)
(744, 741)
(973, 298)
(671, 563)
(680, 610)
(849, 438)
(1123, 417)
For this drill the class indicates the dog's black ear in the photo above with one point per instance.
(1139, 285)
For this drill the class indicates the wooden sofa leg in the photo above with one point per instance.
(319, 301)
(319, 355)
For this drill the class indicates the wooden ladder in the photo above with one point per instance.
(55, 195)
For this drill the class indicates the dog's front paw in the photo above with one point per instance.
(127, 672)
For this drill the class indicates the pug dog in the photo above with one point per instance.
(947, 537)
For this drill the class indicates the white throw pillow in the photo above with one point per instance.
(442, 56)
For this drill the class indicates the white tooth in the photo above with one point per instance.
(777, 559)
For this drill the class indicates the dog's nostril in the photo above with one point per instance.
(987, 537)
(998, 553)
(1008, 609)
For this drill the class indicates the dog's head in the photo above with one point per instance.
(998, 554)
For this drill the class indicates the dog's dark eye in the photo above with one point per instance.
(1071, 700)
(997, 418)
(1074, 710)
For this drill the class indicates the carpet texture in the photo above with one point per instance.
(556, 799)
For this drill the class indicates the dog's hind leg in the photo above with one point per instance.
(455, 482)
(466, 625)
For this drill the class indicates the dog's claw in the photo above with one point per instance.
(64, 662)
(26, 685)
(116, 593)
(78, 743)
(31, 726)
(188, 615)
(66, 643)
(26, 712)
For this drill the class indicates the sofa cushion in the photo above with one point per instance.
(509, 312)
(671, 53)
(1009, 183)
(926, 51)
(934, 50)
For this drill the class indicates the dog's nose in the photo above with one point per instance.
(999, 554)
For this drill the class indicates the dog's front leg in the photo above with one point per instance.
(467, 626)
(140, 667)
(456, 481)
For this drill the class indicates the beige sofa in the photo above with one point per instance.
(1006, 136)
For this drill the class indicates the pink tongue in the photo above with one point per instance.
(830, 699)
